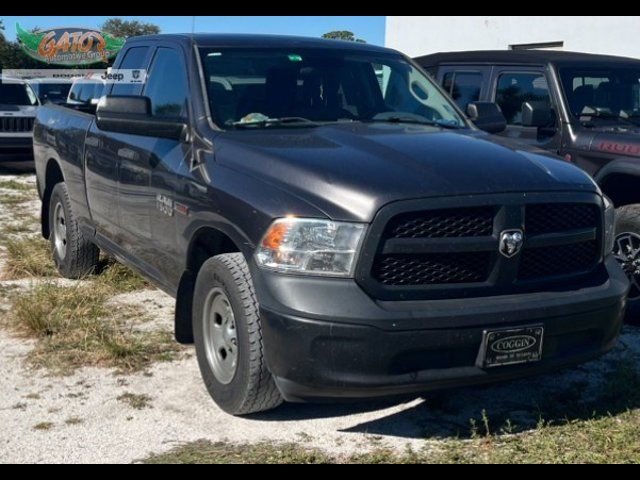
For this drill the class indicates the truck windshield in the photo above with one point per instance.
(607, 94)
(271, 88)
(17, 94)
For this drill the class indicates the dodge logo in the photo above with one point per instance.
(511, 243)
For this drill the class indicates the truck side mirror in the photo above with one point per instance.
(133, 115)
(487, 116)
(536, 114)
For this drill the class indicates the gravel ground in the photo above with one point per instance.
(80, 418)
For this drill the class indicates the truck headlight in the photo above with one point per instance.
(609, 226)
(311, 247)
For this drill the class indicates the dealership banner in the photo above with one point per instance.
(111, 75)
(71, 46)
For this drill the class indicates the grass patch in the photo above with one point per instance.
(137, 402)
(75, 327)
(119, 278)
(204, 452)
(613, 439)
(15, 199)
(31, 257)
(18, 186)
(73, 421)
(25, 225)
(43, 427)
(27, 258)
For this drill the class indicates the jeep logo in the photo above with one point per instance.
(515, 344)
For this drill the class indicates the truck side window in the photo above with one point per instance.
(133, 59)
(514, 89)
(464, 87)
(167, 85)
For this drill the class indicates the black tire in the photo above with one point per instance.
(81, 256)
(628, 222)
(252, 388)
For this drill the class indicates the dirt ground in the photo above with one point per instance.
(98, 415)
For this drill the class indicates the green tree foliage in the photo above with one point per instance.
(343, 35)
(129, 28)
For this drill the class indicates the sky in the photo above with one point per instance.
(369, 28)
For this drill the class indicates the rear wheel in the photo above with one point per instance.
(75, 256)
(627, 252)
(228, 338)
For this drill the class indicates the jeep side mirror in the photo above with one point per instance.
(487, 116)
(133, 115)
(536, 114)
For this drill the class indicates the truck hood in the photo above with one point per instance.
(349, 171)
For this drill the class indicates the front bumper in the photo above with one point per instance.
(16, 148)
(325, 339)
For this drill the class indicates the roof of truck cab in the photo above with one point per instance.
(538, 57)
(254, 41)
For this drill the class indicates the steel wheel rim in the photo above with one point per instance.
(627, 252)
(60, 231)
(220, 336)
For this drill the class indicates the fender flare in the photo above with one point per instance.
(622, 166)
(183, 312)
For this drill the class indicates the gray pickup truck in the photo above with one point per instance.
(331, 224)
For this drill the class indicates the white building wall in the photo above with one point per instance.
(422, 35)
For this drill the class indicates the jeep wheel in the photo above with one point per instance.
(74, 255)
(627, 252)
(228, 338)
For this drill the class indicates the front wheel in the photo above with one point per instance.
(627, 252)
(228, 338)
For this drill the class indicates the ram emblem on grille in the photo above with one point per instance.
(511, 242)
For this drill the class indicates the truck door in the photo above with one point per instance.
(168, 162)
(107, 155)
(512, 87)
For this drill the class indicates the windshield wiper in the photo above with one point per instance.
(276, 122)
(604, 115)
(415, 121)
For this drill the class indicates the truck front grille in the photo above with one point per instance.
(16, 124)
(455, 252)
(432, 269)
(538, 263)
(460, 222)
(551, 218)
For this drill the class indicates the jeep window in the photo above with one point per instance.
(167, 85)
(51, 91)
(464, 87)
(612, 92)
(86, 90)
(17, 94)
(134, 58)
(514, 89)
(320, 86)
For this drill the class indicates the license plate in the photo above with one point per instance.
(511, 346)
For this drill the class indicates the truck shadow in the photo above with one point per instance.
(8, 167)
(601, 388)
